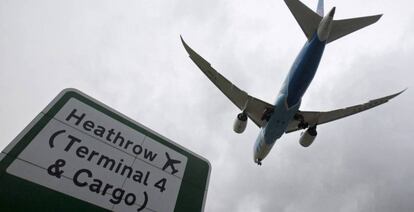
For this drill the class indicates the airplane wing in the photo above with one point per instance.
(318, 118)
(253, 107)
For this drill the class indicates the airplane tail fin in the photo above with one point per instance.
(320, 8)
(311, 21)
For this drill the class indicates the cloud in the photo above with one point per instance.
(128, 55)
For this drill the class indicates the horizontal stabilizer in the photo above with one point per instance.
(344, 27)
(306, 17)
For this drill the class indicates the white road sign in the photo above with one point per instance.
(87, 151)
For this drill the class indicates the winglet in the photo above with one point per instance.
(387, 98)
(187, 48)
(182, 40)
(394, 95)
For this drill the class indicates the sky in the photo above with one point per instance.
(128, 55)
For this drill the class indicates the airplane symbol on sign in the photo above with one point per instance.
(170, 163)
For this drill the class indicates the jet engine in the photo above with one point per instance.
(307, 137)
(240, 123)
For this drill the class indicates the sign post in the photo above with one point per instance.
(79, 154)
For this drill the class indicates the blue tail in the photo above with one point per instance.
(320, 8)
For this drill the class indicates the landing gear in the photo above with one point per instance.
(267, 113)
(259, 162)
(312, 131)
(302, 124)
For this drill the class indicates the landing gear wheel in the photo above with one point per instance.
(312, 131)
(303, 125)
(267, 113)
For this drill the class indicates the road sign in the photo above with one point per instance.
(79, 154)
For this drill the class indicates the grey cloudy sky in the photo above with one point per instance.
(128, 55)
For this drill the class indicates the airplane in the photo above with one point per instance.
(284, 115)
(170, 163)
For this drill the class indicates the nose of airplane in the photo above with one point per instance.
(257, 147)
(257, 160)
(255, 154)
(261, 149)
